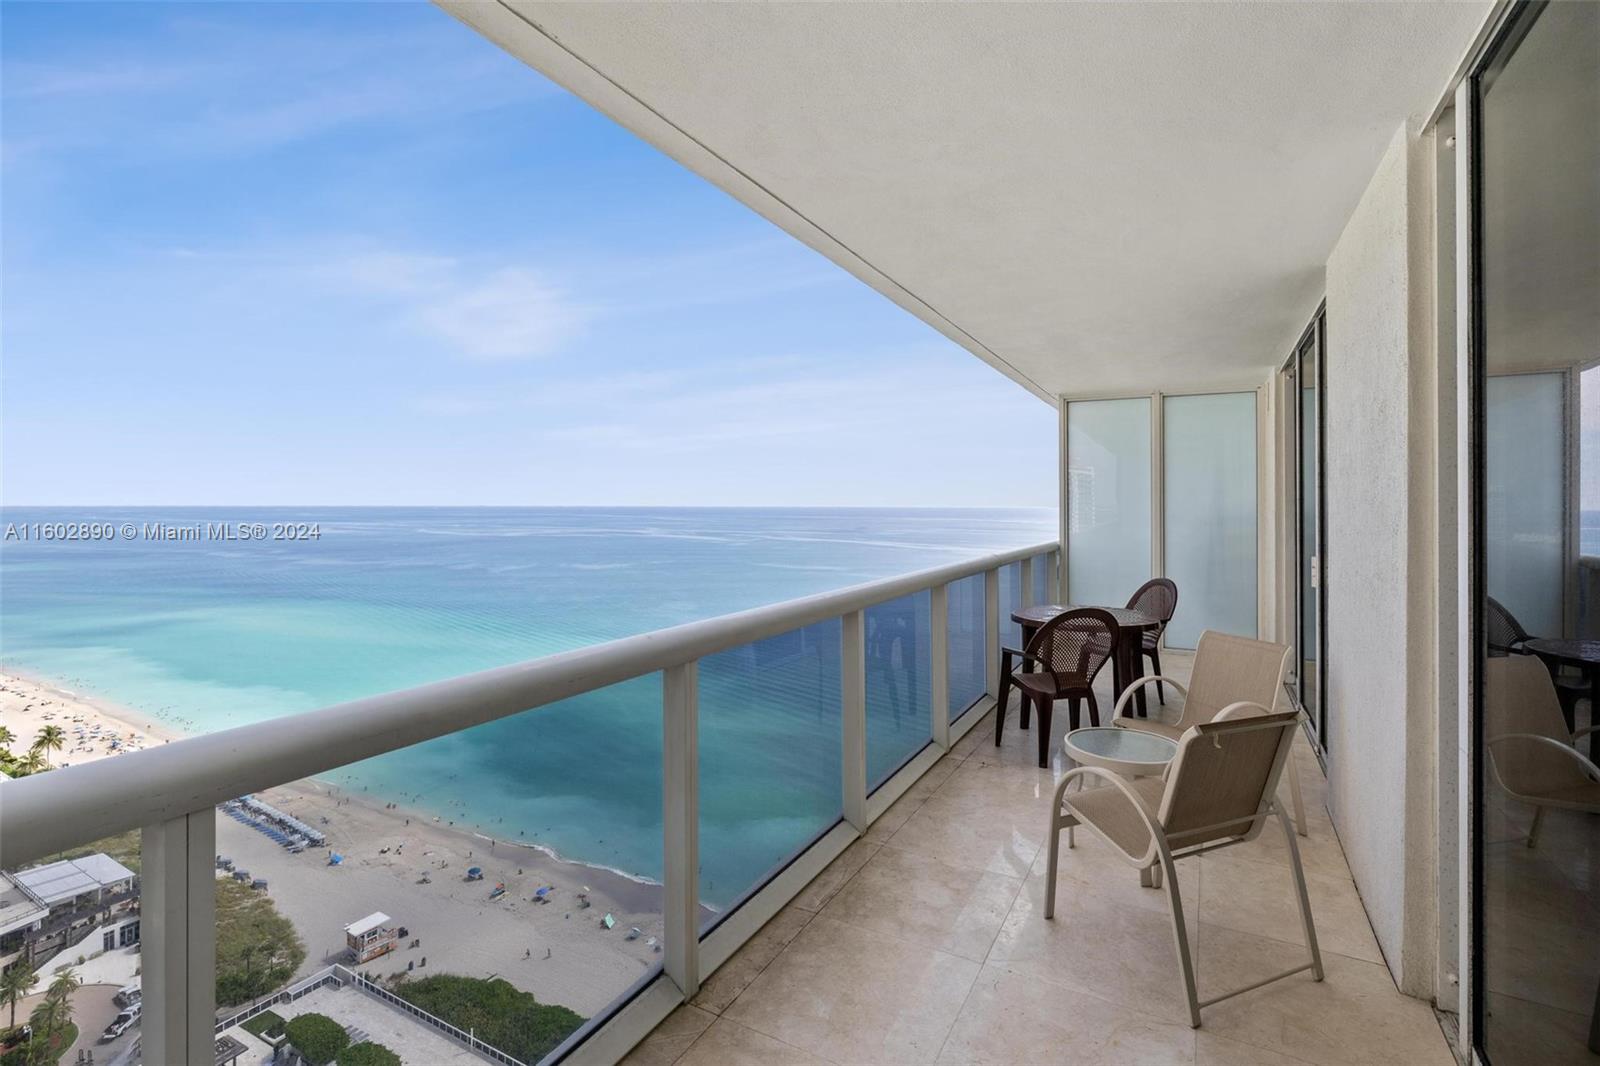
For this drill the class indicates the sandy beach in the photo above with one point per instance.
(404, 862)
(413, 869)
(93, 730)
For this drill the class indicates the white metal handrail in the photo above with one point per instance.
(170, 793)
(46, 813)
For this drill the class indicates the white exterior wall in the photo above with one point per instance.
(1380, 469)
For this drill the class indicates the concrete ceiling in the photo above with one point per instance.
(1090, 197)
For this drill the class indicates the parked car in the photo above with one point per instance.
(128, 995)
(121, 1024)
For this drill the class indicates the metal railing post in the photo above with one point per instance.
(178, 934)
(939, 663)
(853, 693)
(680, 820)
(991, 631)
(1025, 593)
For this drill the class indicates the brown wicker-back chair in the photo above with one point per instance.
(1157, 598)
(1505, 636)
(1068, 651)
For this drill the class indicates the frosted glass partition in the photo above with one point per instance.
(967, 643)
(898, 720)
(1525, 460)
(1210, 446)
(1108, 500)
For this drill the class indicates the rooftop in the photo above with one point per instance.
(367, 924)
(414, 1040)
(57, 882)
(18, 907)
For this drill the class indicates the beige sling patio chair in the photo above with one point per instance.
(1219, 790)
(1531, 752)
(1228, 671)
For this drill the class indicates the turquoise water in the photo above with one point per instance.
(208, 635)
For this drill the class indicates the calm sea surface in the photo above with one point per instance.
(207, 635)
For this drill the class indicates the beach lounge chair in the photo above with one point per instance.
(1219, 790)
(1532, 753)
(1228, 671)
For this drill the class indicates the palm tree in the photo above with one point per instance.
(6, 736)
(50, 738)
(30, 763)
(49, 1018)
(14, 985)
(52, 1015)
(67, 982)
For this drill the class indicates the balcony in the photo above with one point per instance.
(904, 922)
(924, 942)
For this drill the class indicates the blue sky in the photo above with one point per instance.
(354, 254)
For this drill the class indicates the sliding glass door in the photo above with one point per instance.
(1533, 142)
(1303, 502)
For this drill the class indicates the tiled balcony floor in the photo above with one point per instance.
(924, 942)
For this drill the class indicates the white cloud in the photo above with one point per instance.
(491, 314)
(509, 314)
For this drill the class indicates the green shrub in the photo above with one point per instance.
(497, 1011)
(367, 1053)
(267, 1023)
(317, 1037)
(257, 948)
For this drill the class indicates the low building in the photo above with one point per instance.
(48, 908)
(371, 937)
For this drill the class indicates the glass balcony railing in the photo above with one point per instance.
(741, 754)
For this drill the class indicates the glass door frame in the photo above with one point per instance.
(1505, 30)
(1312, 344)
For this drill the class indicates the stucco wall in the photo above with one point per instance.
(1379, 449)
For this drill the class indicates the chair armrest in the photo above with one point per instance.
(1127, 693)
(1017, 655)
(1156, 835)
(1539, 739)
(1238, 708)
(1585, 731)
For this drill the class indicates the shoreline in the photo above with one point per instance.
(17, 683)
(407, 862)
(31, 702)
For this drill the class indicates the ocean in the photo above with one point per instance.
(206, 634)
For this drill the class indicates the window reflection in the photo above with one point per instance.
(1539, 816)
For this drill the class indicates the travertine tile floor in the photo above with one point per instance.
(924, 942)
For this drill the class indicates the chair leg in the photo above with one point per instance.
(1094, 708)
(1296, 796)
(1055, 850)
(1533, 830)
(1155, 668)
(1000, 701)
(1073, 704)
(1302, 896)
(1045, 703)
(1180, 935)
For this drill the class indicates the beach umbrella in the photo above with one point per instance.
(543, 892)
(335, 859)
